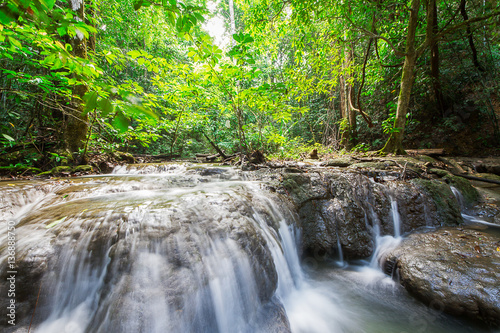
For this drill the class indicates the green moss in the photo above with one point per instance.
(425, 159)
(18, 169)
(63, 169)
(489, 176)
(447, 207)
(127, 157)
(439, 172)
(297, 186)
(57, 171)
(83, 168)
(470, 194)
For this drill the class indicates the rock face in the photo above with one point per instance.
(455, 270)
(349, 209)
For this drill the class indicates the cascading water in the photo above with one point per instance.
(467, 217)
(180, 249)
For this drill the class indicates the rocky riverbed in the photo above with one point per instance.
(180, 222)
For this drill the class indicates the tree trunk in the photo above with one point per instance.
(353, 126)
(344, 133)
(348, 131)
(432, 30)
(76, 127)
(395, 143)
(470, 37)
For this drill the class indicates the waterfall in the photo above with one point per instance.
(396, 219)
(467, 217)
(179, 248)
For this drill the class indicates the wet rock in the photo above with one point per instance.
(470, 195)
(489, 176)
(121, 156)
(443, 200)
(454, 270)
(349, 209)
(379, 165)
(83, 168)
(341, 162)
(57, 171)
(272, 319)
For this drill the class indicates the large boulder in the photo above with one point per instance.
(455, 270)
(345, 211)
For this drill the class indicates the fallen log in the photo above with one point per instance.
(210, 158)
(477, 178)
(161, 156)
(430, 152)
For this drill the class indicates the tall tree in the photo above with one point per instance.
(76, 122)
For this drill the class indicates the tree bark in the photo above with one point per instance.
(470, 37)
(348, 115)
(395, 143)
(432, 30)
(76, 125)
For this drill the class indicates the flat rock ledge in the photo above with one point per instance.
(455, 270)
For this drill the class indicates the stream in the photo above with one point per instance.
(180, 248)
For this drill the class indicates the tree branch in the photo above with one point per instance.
(440, 35)
(376, 36)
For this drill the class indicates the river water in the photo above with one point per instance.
(177, 248)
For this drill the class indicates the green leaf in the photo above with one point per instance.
(91, 101)
(106, 106)
(238, 37)
(121, 122)
(8, 137)
(199, 17)
(248, 39)
(171, 18)
(15, 42)
(61, 31)
(138, 110)
(50, 4)
(134, 54)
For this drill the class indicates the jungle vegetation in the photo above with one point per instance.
(85, 76)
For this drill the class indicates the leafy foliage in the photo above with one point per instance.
(155, 82)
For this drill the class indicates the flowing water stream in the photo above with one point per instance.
(181, 249)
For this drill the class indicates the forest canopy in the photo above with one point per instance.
(81, 77)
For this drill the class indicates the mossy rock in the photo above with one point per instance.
(470, 194)
(83, 168)
(489, 176)
(341, 162)
(19, 170)
(425, 159)
(66, 170)
(447, 206)
(304, 187)
(382, 165)
(58, 170)
(127, 157)
(440, 172)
